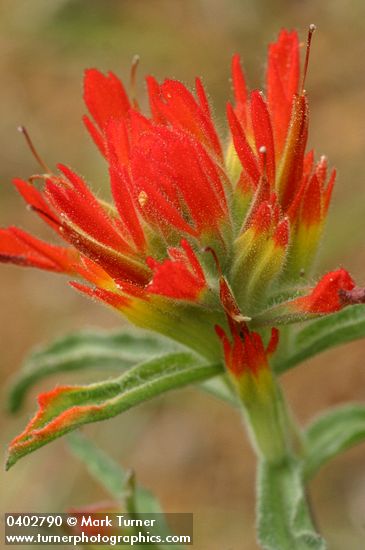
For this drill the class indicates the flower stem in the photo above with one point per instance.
(284, 520)
(284, 517)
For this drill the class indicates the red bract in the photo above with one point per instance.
(246, 352)
(179, 277)
(260, 208)
(325, 296)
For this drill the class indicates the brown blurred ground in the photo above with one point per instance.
(187, 447)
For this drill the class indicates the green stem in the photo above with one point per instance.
(284, 519)
(284, 516)
(293, 433)
(267, 417)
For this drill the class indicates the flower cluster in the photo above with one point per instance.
(258, 201)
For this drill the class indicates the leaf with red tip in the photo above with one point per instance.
(89, 349)
(66, 408)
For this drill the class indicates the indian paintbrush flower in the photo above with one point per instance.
(257, 199)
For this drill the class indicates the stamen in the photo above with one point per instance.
(311, 30)
(34, 152)
(133, 81)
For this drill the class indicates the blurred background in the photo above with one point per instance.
(187, 447)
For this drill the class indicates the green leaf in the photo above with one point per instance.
(284, 521)
(332, 433)
(65, 408)
(86, 350)
(324, 333)
(119, 483)
(102, 468)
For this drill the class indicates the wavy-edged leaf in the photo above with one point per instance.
(65, 408)
(324, 333)
(284, 521)
(332, 433)
(85, 350)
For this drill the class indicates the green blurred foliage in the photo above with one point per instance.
(186, 447)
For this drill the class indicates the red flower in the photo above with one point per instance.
(175, 194)
(259, 207)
